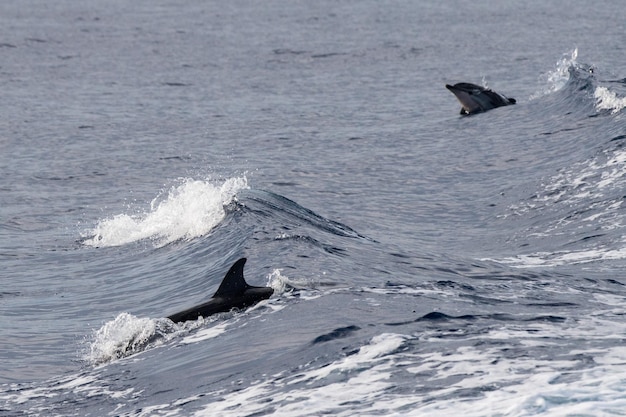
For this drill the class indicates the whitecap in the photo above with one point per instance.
(188, 210)
(608, 100)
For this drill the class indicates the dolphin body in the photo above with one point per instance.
(234, 292)
(476, 99)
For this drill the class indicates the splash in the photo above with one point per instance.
(556, 79)
(281, 284)
(191, 209)
(126, 335)
(608, 100)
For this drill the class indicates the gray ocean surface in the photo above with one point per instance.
(423, 263)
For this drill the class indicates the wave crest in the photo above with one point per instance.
(557, 78)
(608, 100)
(188, 210)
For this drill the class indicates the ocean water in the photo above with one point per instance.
(423, 263)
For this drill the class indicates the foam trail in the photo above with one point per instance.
(362, 375)
(191, 209)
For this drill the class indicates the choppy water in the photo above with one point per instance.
(423, 263)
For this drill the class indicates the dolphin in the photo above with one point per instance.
(476, 99)
(234, 292)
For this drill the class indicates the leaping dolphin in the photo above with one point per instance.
(234, 292)
(476, 99)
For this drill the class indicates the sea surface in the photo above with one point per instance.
(423, 263)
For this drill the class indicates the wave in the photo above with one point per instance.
(287, 212)
(434, 370)
(248, 219)
(187, 210)
(574, 215)
(395, 374)
(557, 78)
(571, 76)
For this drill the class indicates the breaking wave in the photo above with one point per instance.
(186, 211)
(608, 100)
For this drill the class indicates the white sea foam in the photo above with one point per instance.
(473, 380)
(608, 100)
(525, 386)
(205, 334)
(360, 376)
(81, 385)
(188, 210)
(549, 259)
(124, 335)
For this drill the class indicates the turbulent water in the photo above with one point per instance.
(423, 263)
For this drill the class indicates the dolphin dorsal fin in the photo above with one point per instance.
(233, 283)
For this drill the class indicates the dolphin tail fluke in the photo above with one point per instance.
(234, 282)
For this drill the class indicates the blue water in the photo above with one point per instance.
(423, 263)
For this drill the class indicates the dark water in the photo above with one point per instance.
(423, 263)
